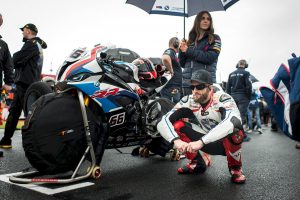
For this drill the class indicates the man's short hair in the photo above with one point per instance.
(174, 42)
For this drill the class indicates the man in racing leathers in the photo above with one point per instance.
(208, 121)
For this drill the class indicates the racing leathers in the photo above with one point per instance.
(217, 124)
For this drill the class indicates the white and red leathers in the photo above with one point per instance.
(215, 123)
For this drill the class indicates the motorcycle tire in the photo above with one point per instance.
(54, 140)
(33, 93)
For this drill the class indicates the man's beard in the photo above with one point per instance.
(202, 99)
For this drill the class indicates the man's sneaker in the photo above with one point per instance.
(259, 130)
(237, 176)
(5, 144)
(249, 131)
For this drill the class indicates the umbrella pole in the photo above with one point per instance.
(183, 19)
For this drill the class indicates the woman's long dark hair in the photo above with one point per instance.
(196, 30)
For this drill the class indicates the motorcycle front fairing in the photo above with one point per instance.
(104, 93)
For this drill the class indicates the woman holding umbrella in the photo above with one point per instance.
(200, 51)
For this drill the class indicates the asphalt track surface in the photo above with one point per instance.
(271, 164)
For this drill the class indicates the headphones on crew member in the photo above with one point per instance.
(242, 62)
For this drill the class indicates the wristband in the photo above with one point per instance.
(202, 141)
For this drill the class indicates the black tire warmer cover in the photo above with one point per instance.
(53, 134)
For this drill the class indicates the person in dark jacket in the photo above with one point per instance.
(172, 90)
(28, 64)
(239, 86)
(6, 66)
(201, 51)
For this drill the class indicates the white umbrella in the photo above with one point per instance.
(185, 8)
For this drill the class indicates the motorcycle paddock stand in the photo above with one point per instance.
(93, 170)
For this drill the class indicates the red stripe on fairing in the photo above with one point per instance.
(154, 74)
(83, 62)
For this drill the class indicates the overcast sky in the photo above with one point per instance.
(264, 32)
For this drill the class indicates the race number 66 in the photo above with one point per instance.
(117, 119)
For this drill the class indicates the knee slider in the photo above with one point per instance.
(236, 123)
(178, 125)
(236, 137)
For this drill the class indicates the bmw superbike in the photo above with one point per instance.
(96, 105)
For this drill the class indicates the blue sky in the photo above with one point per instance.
(264, 32)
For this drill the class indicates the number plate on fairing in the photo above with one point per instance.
(117, 119)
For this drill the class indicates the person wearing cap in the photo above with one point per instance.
(239, 86)
(6, 66)
(28, 64)
(205, 121)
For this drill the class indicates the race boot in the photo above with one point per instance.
(234, 158)
(196, 165)
(237, 175)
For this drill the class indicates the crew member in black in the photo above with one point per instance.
(6, 66)
(28, 64)
(239, 86)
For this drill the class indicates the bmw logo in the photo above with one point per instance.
(97, 84)
(167, 7)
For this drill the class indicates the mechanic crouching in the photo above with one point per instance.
(205, 121)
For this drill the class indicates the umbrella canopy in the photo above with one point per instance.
(185, 8)
(123, 54)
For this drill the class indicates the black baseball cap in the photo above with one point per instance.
(31, 27)
(202, 76)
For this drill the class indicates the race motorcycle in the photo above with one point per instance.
(103, 92)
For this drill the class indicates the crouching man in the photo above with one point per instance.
(208, 121)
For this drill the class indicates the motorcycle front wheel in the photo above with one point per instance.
(54, 140)
(33, 93)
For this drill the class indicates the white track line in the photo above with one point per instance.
(42, 189)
